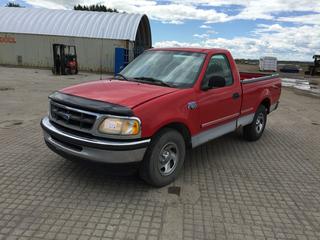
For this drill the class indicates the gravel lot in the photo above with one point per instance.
(228, 189)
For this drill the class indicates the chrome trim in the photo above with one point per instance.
(213, 133)
(221, 130)
(219, 120)
(94, 154)
(74, 109)
(95, 128)
(48, 125)
(251, 80)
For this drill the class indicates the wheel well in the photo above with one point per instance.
(181, 128)
(266, 103)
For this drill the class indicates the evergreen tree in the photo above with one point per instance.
(12, 4)
(95, 8)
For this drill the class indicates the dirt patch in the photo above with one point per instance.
(10, 123)
(6, 89)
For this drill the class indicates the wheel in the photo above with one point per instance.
(255, 130)
(164, 158)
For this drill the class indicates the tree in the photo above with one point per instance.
(95, 8)
(12, 4)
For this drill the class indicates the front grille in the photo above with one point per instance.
(72, 118)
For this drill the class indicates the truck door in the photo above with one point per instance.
(219, 106)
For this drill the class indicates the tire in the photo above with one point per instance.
(255, 130)
(164, 158)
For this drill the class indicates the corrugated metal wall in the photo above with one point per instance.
(36, 51)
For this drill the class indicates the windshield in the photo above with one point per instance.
(170, 68)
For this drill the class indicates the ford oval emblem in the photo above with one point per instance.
(65, 116)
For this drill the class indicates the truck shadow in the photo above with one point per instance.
(207, 156)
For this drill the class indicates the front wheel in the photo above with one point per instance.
(164, 158)
(255, 130)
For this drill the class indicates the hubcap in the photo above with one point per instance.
(260, 123)
(168, 159)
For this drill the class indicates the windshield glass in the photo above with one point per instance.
(172, 68)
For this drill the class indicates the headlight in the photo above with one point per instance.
(120, 126)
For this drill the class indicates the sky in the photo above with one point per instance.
(286, 29)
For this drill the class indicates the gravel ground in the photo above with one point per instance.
(228, 189)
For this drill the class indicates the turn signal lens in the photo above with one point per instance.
(130, 127)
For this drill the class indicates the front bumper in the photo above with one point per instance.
(70, 145)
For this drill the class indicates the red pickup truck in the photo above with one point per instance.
(161, 104)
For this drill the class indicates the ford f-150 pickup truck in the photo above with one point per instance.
(164, 102)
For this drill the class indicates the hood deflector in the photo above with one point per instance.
(90, 105)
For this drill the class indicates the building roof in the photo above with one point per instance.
(122, 26)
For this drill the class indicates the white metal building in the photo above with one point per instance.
(27, 36)
(268, 64)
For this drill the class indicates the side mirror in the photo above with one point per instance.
(216, 82)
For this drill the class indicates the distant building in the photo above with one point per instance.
(27, 36)
(268, 64)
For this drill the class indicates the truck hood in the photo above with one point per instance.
(125, 93)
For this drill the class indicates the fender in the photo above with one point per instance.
(181, 121)
(265, 94)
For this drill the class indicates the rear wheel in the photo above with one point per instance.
(164, 158)
(255, 130)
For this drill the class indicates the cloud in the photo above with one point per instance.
(305, 19)
(268, 28)
(179, 11)
(165, 12)
(164, 44)
(211, 32)
(205, 26)
(201, 35)
(48, 4)
(293, 43)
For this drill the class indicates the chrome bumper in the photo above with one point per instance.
(100, 150)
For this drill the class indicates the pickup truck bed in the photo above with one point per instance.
(257, 85)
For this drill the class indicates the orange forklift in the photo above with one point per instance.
(64, 59)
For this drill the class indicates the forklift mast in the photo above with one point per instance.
(64, 59)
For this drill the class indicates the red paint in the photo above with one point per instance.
(125, 93)
(158, 106)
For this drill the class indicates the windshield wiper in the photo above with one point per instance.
(121, 75)
(153, 80)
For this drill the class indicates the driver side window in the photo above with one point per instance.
(218, 66)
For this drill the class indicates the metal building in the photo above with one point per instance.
(27, 36)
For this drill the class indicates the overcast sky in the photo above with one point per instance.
(287, 29)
